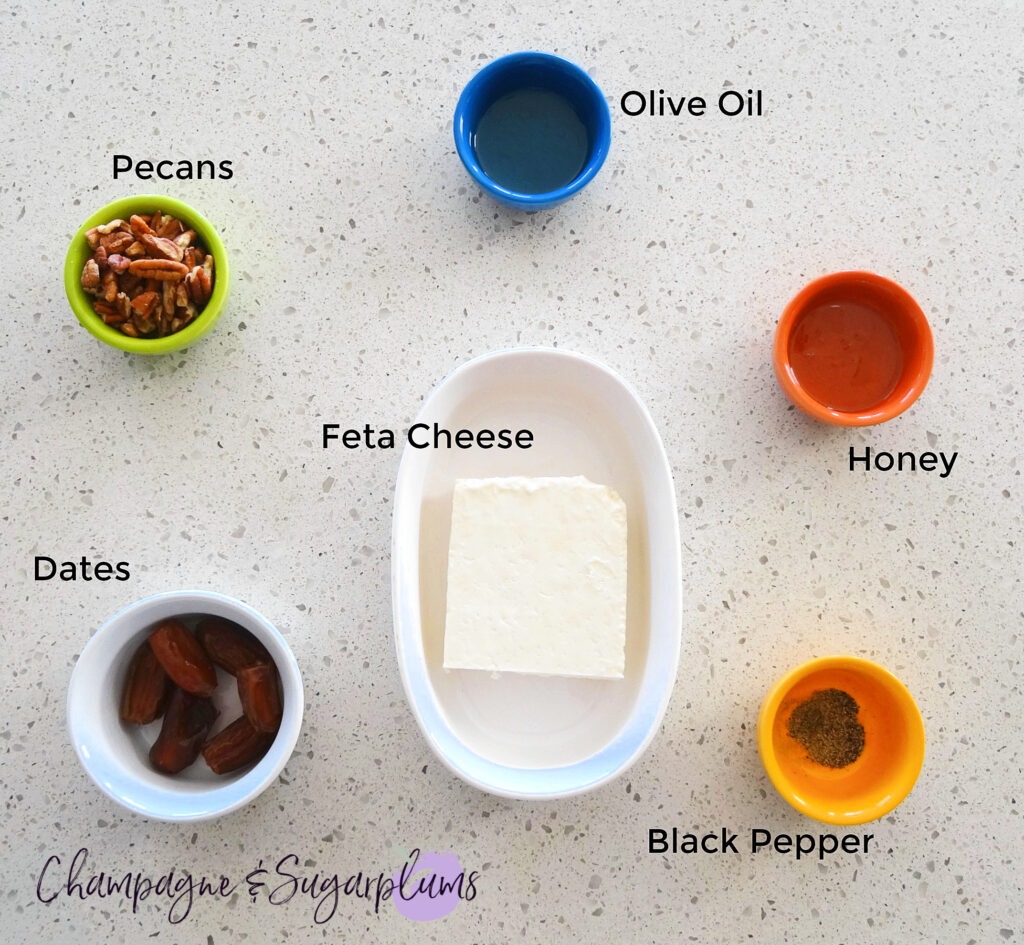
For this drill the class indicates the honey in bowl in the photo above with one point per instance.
(846, 355)
(853, 348)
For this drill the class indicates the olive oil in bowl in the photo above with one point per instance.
(531, 141)
(532, 130)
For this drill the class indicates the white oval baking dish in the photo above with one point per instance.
(521, 735)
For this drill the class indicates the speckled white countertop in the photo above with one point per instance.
(366, 268)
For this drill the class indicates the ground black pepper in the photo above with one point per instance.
(826, 725)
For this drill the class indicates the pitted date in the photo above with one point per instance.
(229, 646)
(186, 725)
(183, 658)
(174, 674)
(236, 746)
(260, 694)
(146, 688)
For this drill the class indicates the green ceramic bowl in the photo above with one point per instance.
(81, 303)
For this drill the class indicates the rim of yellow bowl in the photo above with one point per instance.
(81, 303)
(897, 786)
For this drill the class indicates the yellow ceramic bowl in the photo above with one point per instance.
(884, 773)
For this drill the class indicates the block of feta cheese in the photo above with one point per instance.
(537, 577)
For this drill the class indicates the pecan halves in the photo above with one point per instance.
(149, 253)
(160, 269)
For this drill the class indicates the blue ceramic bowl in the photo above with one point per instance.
(524, 71)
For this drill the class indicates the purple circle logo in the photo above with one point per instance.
(430, 885)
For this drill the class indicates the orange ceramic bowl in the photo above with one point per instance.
(853, 349)
(883, 774)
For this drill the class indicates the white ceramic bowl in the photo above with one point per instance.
(520, 735)
(116, 755)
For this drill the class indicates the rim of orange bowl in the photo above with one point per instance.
(81, 303)
(889, 408)
(901, 784)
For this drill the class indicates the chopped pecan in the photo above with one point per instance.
(140, 226)
(167, 227)
(146, 324)
(169, 293)
(91, 275)
(199, 286)
(109, 285)
(145, 302)
(116, 242)
(162, 248)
